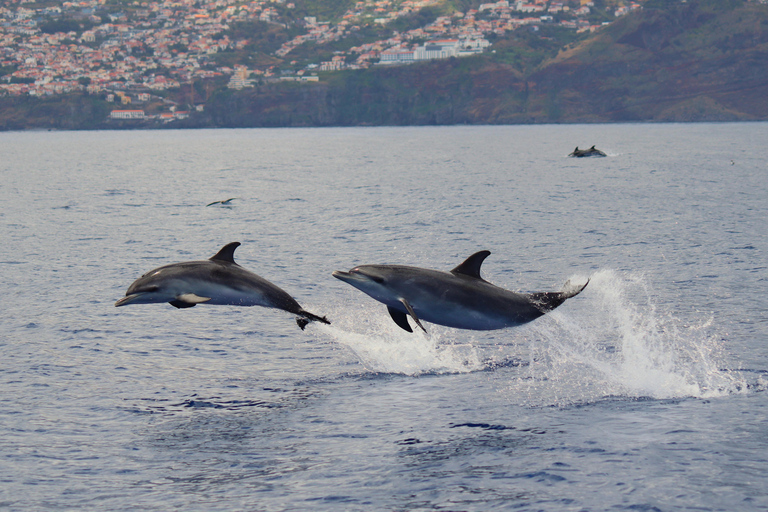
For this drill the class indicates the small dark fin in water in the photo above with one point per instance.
(307, 317)
(226, 253)
(471, 266)
(400, 318)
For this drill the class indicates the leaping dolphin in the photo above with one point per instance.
(459, 298)
(219, 281)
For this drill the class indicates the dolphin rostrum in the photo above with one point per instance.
(459, 298)
(219, 281)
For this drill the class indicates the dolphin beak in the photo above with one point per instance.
(349, 277)
(128, 299)
(344, 276)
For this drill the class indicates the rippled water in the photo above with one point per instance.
(645, 392)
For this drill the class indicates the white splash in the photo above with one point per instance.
(620, 340)
(383, 347)
(611, 340)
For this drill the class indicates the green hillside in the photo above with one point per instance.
(700, 60)
(485, 89)
(695, 61)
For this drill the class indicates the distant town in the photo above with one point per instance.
(129, 52)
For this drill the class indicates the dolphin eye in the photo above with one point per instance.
(377, 279)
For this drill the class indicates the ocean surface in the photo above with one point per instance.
(647, 392)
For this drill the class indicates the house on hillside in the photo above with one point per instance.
(396, 56)
(127, 114)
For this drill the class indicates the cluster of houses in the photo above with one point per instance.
(159, 45)
(449, 36)
(371, 11)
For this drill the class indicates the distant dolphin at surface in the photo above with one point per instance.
(218, 280)
(580, 153)
(459, 298)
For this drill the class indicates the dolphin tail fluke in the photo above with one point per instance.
(547, 301)
(571, 290)
(307, 317)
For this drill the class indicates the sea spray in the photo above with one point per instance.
(618, 341)
(614, 340)
(381, 346)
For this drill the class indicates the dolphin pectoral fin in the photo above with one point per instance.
(188, 300)
(181, 304)
(400, 318)
(413, 315)
(192, 298)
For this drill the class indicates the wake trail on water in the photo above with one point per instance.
(611, 340)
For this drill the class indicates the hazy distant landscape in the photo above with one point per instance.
(226, 63)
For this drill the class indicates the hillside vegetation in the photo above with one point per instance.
(696, 61)
(700, 60)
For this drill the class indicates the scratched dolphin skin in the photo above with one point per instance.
(459, 298)
(218, 280)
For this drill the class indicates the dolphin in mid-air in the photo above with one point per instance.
(218, 280)
(459, 298)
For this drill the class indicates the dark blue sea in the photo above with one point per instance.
(647, 392)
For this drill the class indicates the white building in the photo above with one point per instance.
(127, 114)
(441, 49)
(396, 56)
(239, 79)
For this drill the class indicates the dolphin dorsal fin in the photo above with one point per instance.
(471, 266)
(226, 253)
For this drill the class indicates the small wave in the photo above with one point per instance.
(483, 426)
(273, 398)
(216, 403)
